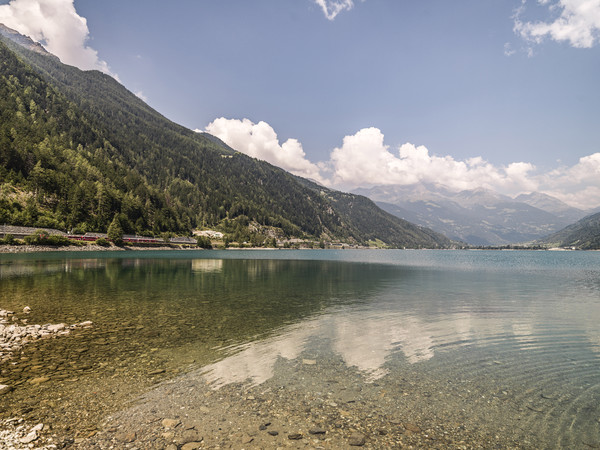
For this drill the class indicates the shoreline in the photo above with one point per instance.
(12, 249)
(32, 249)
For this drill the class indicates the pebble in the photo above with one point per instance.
(5, 389)
(357, 440)
(32, 436)
(126, 436)
(38, 380)
(295, 436)
(168, 436)
(317, 431)
(170, 423)
(191, 435)
(191, 446)
(246, 439)
(411, 427)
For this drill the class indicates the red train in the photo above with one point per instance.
(91, 237)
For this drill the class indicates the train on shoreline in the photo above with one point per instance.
(91, 237)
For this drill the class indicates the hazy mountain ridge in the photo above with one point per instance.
(552, 205)
(478, 217)
(79, 149)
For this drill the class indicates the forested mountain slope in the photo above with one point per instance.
(77, 148)
(583, 235)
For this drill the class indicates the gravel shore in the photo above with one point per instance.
(68, 248)
(77, 248)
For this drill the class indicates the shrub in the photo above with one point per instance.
(42, 237)
(102, 242)
(39, 237)
(204, 242)
(60, 240)
(9, 239)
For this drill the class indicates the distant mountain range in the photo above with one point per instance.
(477, 217)
(78, 151)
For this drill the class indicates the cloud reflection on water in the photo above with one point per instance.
(365, 342)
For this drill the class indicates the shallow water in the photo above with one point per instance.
(503, 341)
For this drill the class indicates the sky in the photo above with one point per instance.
(496, 94)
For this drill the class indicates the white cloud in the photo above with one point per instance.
(331, 8)
(141, 96)
(57, 26)
(508, 50)
(260, 141)
(578, 185)
(577, 23)
(364, 160)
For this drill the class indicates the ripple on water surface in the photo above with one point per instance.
(505, 342)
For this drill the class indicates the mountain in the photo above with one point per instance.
(23, 41)
(375, 221)
(552, 205)
(77, 149)
(583, 235)
(478, 217)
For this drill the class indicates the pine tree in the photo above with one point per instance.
(115, 231)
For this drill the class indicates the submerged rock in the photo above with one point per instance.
(191, 446)
(32, 436)
(126, 436)
(190, 435)
(14, 336)
(357, 440)
(170, 423)
(39, 380)
(55, 328)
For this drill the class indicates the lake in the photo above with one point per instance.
(272, 348)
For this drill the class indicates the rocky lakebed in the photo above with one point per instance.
(55, 394)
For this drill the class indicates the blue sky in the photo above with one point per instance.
(501, 94)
